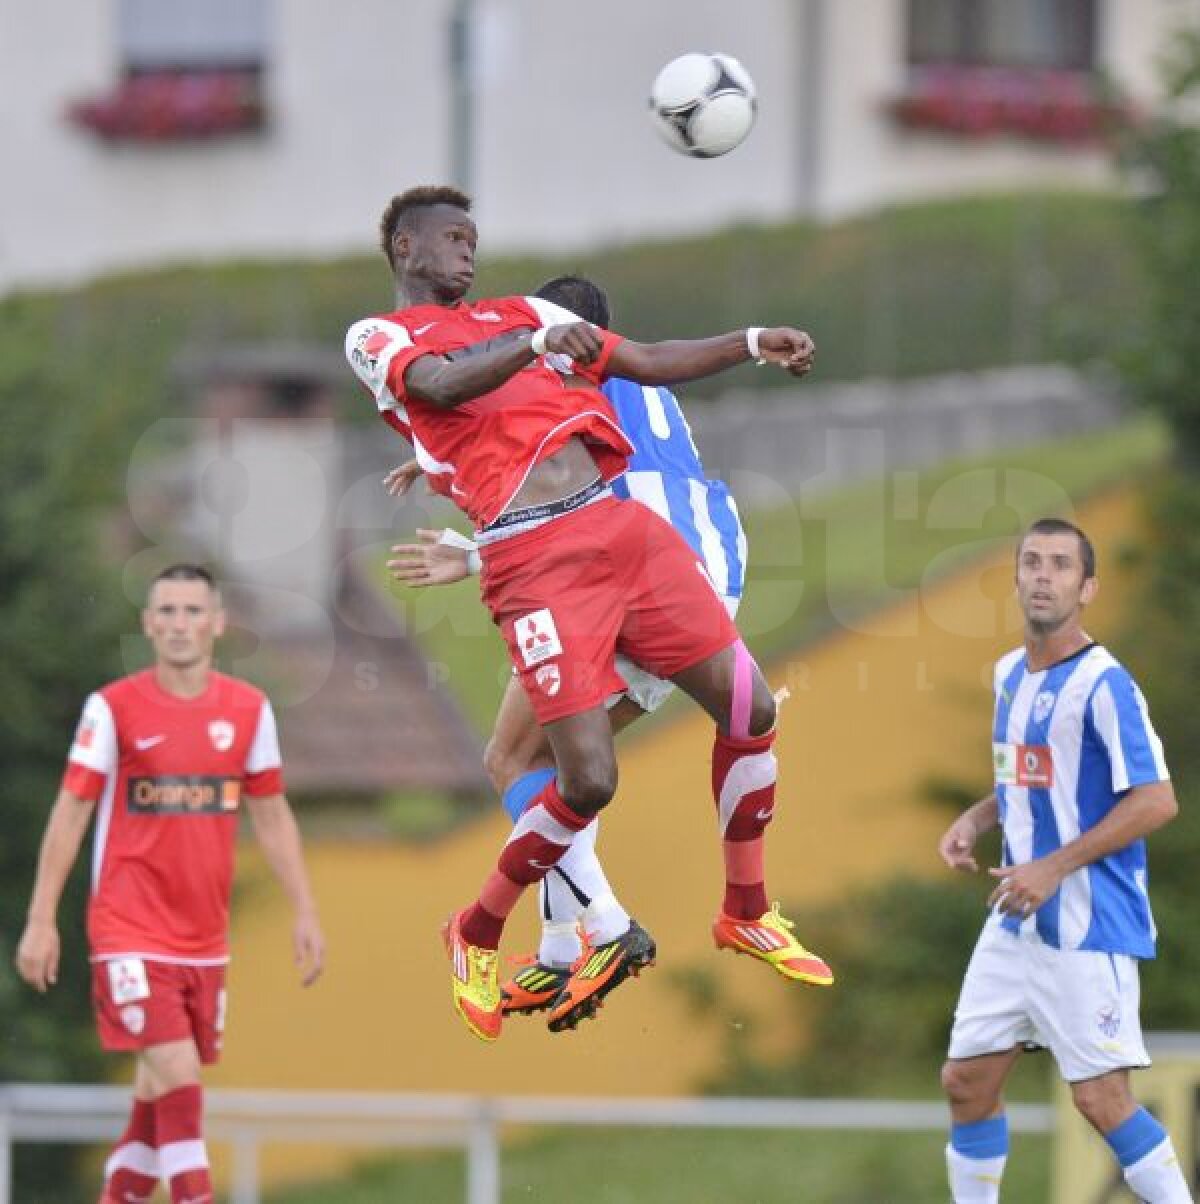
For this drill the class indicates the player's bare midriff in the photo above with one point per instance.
(567, 471)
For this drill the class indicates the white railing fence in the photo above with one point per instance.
(249, 1119)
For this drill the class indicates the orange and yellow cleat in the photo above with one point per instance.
(474, 982)
(533, 988)
(770, 939)
(599, 970)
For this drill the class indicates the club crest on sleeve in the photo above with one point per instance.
(536, 637)
(86, 733)
(221, 733)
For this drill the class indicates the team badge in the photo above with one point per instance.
(549, 678)
(536, 637)
(133, 1018)
(1043, 704)
(86, 732)
(220, 732)
(1108, 1020)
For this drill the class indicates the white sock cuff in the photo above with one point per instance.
(133, 1156)
(604, 919)
(178, 1156)
(1158, 1176)
(974, 1180)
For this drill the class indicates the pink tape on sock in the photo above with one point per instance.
(743, 691)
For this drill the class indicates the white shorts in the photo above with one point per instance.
(648, 691)
(1080, 1005)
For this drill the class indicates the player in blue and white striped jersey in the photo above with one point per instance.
(665, 474)
(1080, 781)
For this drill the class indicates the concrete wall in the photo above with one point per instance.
(564, 154)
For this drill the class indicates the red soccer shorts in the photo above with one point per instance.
(139, 1003)
(612, 577)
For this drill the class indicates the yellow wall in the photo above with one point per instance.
(874, 715)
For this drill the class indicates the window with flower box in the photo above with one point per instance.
(191, 69)
(1017, 67)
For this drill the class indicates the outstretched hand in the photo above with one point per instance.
(790, 349)
(400, 480)
(428, 562)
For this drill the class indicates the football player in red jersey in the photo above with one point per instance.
(165, 758)
(498, 398)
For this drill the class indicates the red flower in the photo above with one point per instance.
(1060, 106)
(161, 106)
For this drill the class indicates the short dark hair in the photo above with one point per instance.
(1060, 526)
(400, 209)
(185, 572)
(580, 295)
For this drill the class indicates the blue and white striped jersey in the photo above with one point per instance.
(1068, 742)
(665, 474)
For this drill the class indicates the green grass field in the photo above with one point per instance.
(623, 1166)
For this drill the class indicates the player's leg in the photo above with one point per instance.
(978, 1147)
(1137, 1139)
(172, 1073)
(576, 894)
(732, 689)
(584, 782)
(994, 1019)
(131, 1171)
(1088, 1004)
(616, 947)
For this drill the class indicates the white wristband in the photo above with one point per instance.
(537, 344)
(455, 539)
(752, 333)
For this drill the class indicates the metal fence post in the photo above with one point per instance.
(5, 1157)
(483, 1158)
(244, 1188)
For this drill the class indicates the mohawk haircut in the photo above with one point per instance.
(1060, 526)
(401, 208)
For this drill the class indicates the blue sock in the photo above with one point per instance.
(981, 1138)
(1134, 1138)
(517, 797)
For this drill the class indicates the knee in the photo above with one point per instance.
(590, 788)
(1102, 1103)
(762, 708)
(499, 765)
(963, 1089)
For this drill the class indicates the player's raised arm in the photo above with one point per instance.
(39, 948)
(447, 383)
(679, 360)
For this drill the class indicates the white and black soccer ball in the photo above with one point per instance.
(703, 104)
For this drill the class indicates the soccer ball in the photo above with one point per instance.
(703, 104)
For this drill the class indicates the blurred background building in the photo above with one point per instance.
(142, 131)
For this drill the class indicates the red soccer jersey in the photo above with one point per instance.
(479, 454)
(168, 775)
